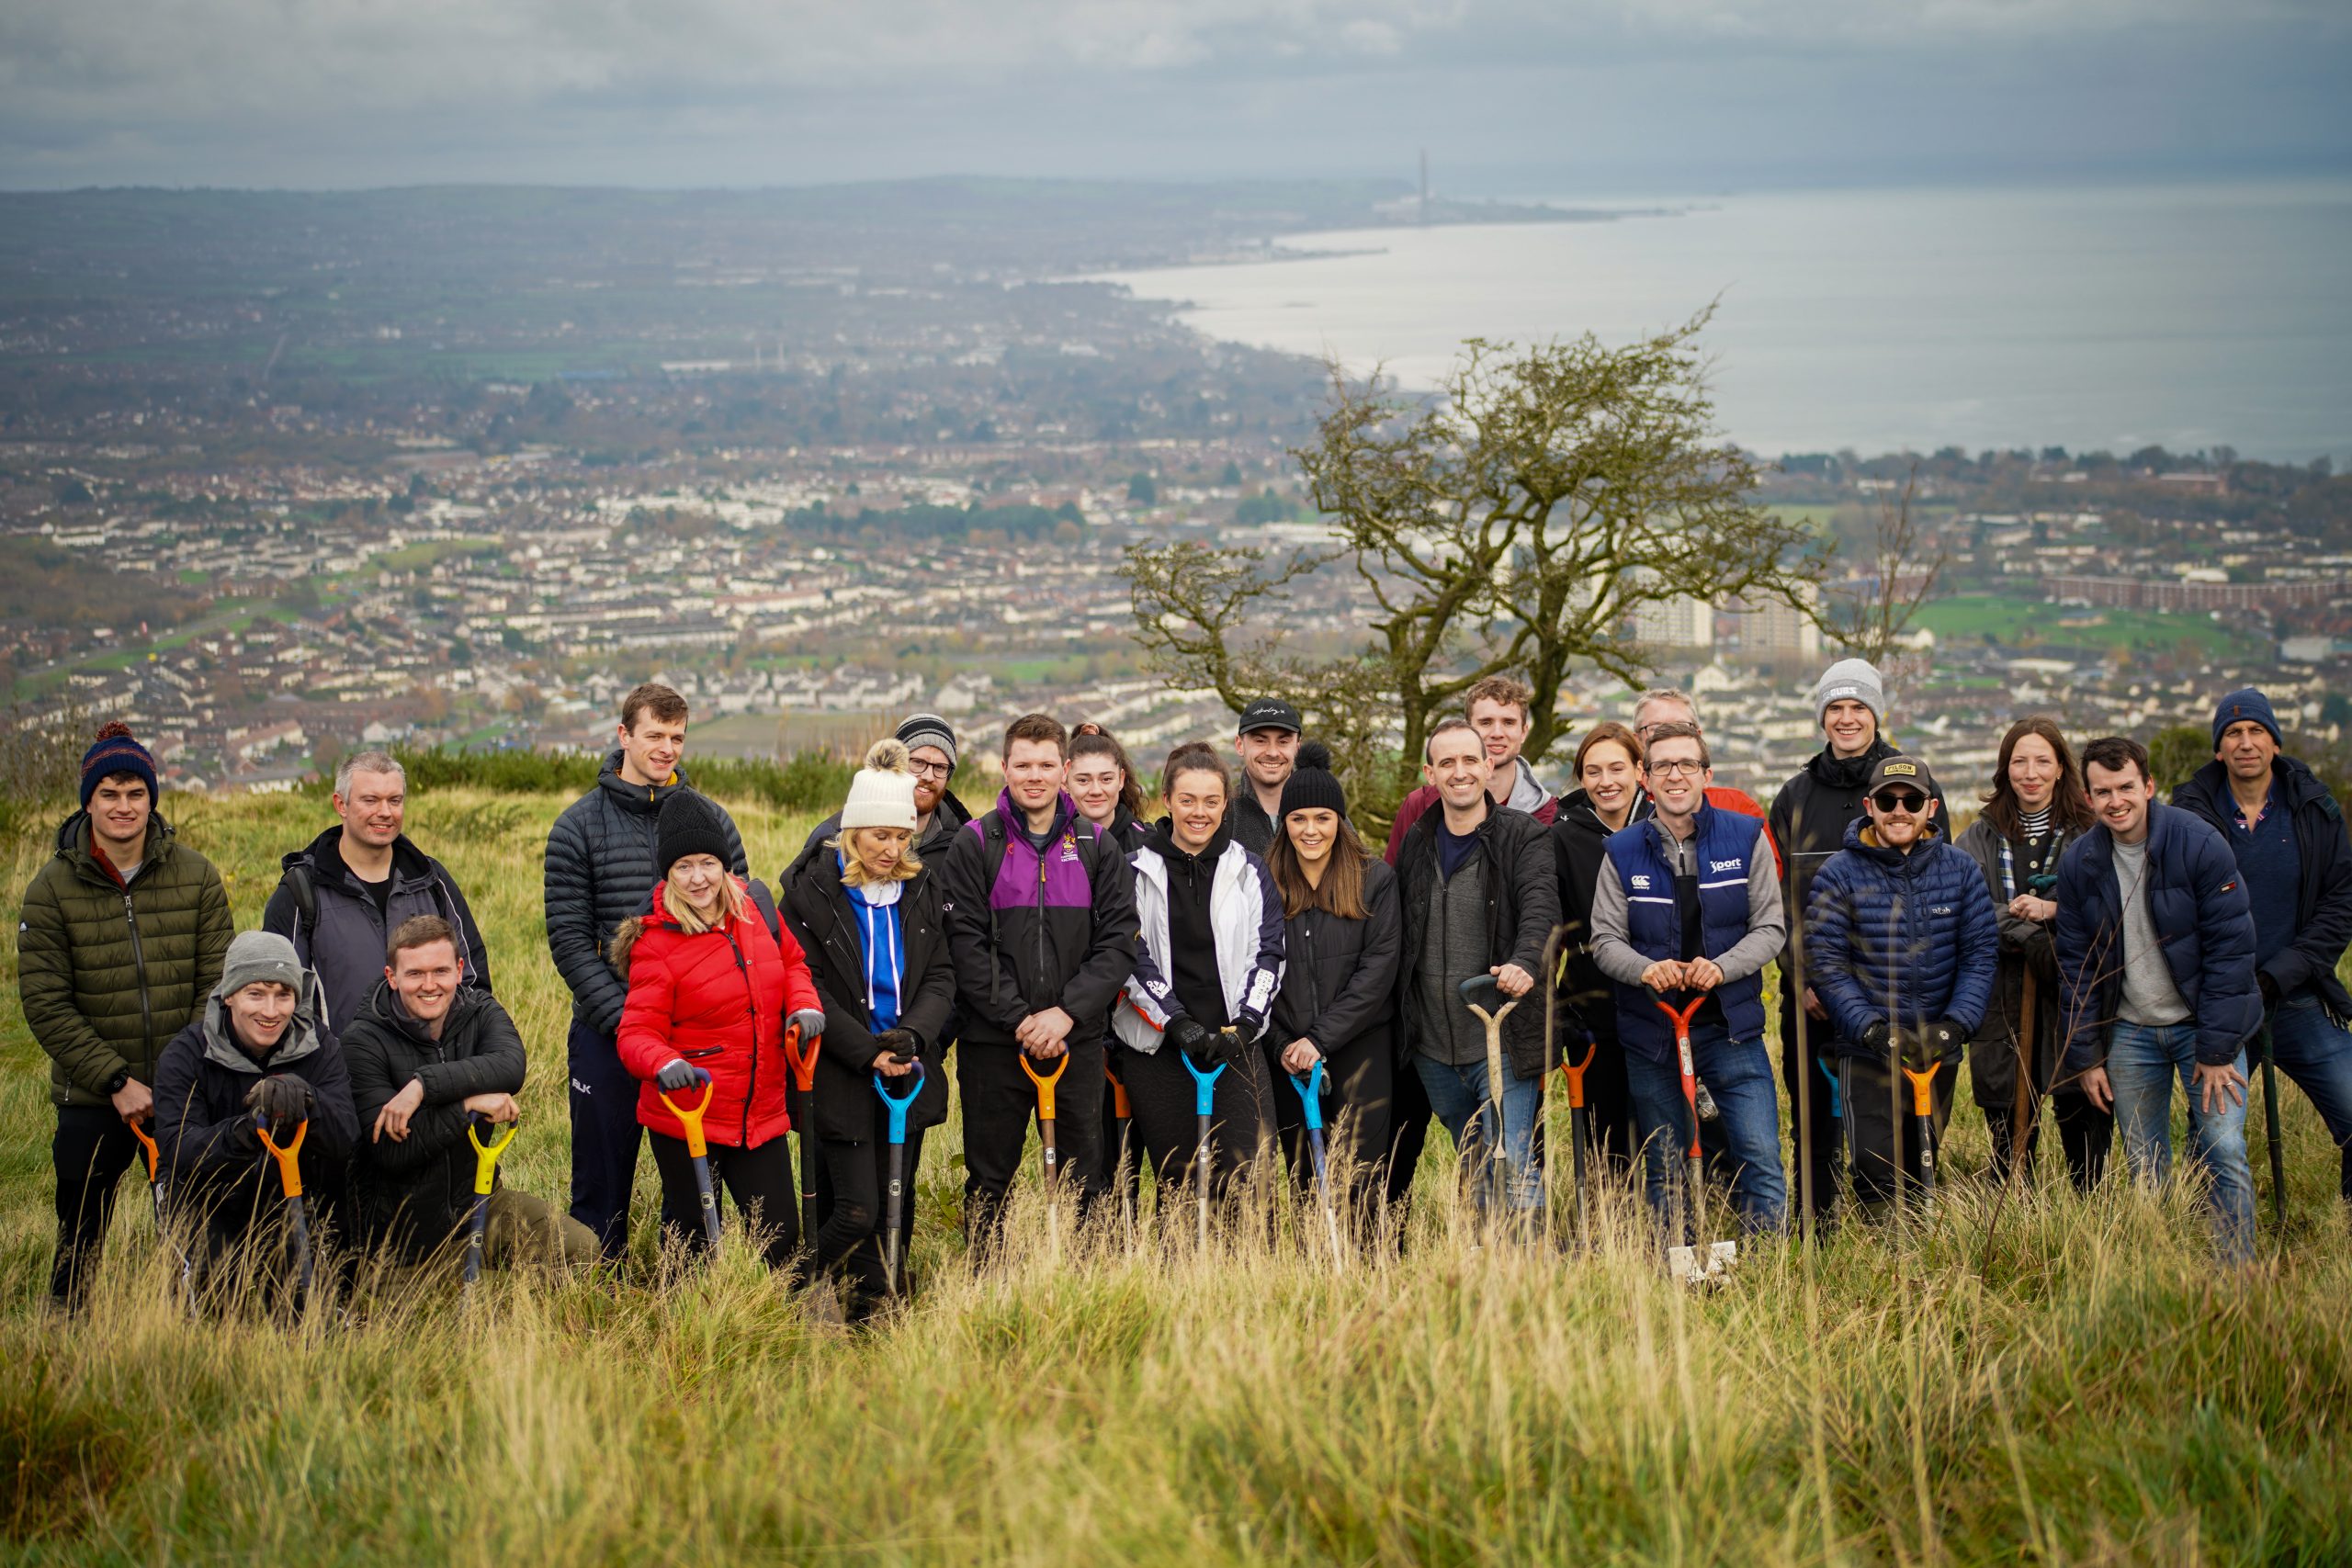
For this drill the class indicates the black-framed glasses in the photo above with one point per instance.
(1674, 765)
(1905, 800)
(928, 769)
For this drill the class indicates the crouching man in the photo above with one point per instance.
(429, 1054)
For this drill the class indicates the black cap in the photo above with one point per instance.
(1268, 713)
(1901, 769)
(690, 824)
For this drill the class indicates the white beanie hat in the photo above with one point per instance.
(1854, 678)
(882, 794)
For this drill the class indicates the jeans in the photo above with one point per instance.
(2141, 1062)
(1739, 1075)
(2310, 1049)
(1458, 1097)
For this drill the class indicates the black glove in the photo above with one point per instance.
(1190, 1036)
(284, 1101)
(898, 1042)
(1939, 1042)
(677, 1073)
(1227, 1046)
(2268, 986)
(1876, 1038)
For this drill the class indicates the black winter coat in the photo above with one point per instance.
(344, 937)
(412, 1193)
(2026, 945)
(1522, 906)
(2322, 875)
(1810, 815)
(848, 1109)
(600, 872)
(205, 1135)
(1578, 835)
(1339, 976)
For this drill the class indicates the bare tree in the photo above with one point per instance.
(1872, 621)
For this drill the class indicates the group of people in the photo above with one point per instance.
(2080, 944)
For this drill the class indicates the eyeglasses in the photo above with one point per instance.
(929, 770)
(1908, 802)
(1675, 767)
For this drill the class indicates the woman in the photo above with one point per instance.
(710, 985)
(1342, 943)
(1206, 970)
(865, 911)
(1607, 796)
(2035, 808)
(1103, 784)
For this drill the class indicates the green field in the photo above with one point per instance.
(2039, 1379)
(2027, 624)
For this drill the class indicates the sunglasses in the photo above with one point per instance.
(1905, 800)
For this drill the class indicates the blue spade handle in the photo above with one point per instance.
(1837, 1110)
(897, 1105)
(1310, 1095)
(1203, 1085)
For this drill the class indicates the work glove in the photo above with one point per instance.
(282, 1100)
(1936, 1042)
(677, 1073)
(1190, 1036)
(811, 1023)
(1877, 1037)
(898, 1042)
(1226, 1046)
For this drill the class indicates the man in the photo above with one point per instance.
(121, 938)
(428, 1054)
(2156, 963)
(1479, 892)
(1662, 706)
(2288, 836)
(932, 756)
(1496, 708)
(1808, 821)
(255, 1055)
(340, 899)
(1267, 743)
(1903, 943)
(600, 871)
(1689, 902)
(1041, 921)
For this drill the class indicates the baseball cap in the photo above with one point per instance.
(1269, 713)
(1901, 769)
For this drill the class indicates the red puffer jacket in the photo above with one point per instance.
(719, 1001)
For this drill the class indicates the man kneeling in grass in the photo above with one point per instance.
(428, 1055)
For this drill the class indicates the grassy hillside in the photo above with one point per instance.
(2049, 1380)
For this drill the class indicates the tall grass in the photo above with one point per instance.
(2042, 1379)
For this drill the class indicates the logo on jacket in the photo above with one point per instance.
(1732, 865)
(1641, 880)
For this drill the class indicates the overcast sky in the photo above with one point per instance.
(1534, 96)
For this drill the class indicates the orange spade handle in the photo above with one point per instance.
(288, 1156)
(1681, 1015)
(1575, 1075)
(1045, 1084)
(148, 1149)
(804, 1065)
(692, 1120)
(1923, 1089)
(1119, 1105)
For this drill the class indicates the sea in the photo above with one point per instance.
(2186, 316)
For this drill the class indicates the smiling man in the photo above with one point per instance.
(339, 900)
(1496, 709)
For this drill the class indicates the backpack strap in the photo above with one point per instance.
(764, 901)
(306, 894)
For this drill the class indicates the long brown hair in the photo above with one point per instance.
(1341, 890)
(2070, 808)
(1090, 739)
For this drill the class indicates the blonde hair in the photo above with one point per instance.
(887, 755)
(689, 920)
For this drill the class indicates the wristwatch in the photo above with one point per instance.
(120, 1082)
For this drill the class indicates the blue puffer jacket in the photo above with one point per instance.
(1902, 938)
(2197, 902)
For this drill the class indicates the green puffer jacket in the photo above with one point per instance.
(108, 976)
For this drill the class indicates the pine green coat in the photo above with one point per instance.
(108, 976)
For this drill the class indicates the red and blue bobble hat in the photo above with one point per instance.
(112, 754)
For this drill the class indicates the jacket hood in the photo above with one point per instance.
(1163, 842)
(1579, 812)
(1527, 790)
(323, 857)
(300, 1038)
(1863, 841)
(73, 841)
(646, 800)
(1848, 772)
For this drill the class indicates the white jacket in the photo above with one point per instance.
(1246, 913)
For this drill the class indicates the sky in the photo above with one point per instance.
(1508, 97)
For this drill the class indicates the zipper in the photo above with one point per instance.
(1041, 912)
(751, 1010)
(139, 968)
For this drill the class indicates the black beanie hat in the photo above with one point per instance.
(690, 824)
(1312, 784)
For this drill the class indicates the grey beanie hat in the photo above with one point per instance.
(928, 729)
(1850, 679)
(256, 956)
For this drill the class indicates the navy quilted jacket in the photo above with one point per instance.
(1908, 939)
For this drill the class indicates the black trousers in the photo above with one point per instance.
(1359, 1085)
(1409, 1116)
(91, 1151)
(1880, 1130)
(999, 1104)
(1805, 1077)
(605, 1134)
(1122, 1170)
(2085, 1132)
(852, 1188)
(1241, 1117)
(760, 1181)
(1608, 1104)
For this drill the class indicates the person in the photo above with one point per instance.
(1207, 967)
(866, 909)
(1477, 892)
(432, 1057)
(932, 758)
(601, 871)
(256, 1056)
(1808, 822)
(340, 899)
(1608, 798)
(1267, 743)
(2288, 836)
(1498, 709)
(2034, 809)
(1104, 784)
(119, 940)
(1341, 942)
(714, 981)
(1041, 923)
(2142, 1007)
(1663, 705)
(1903, 945)
(1689, 903)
